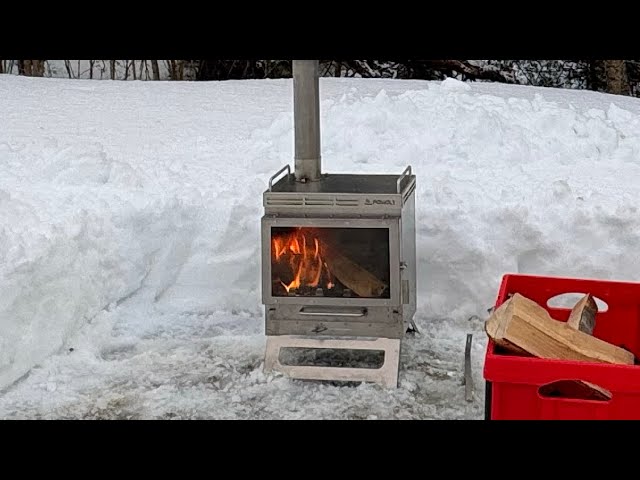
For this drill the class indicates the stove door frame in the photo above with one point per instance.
(390, 223)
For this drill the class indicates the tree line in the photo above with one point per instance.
(621, 77)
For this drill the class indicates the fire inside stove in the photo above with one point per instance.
(330, 262)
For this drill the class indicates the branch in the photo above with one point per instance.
(472, 71)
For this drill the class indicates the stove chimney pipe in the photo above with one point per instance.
(306, 117)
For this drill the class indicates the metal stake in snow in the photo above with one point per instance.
(306, 115)
(468, 379)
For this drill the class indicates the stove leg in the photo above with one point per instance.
(386, 375)
(413, 328)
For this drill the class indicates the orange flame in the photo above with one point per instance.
(330, 284)
(303, 257)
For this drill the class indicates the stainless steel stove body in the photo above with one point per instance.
(369, 220)
(338, 255)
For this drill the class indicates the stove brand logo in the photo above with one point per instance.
(377, 201)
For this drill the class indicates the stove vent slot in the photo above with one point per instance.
(318, 202)
(284, 201)
(347, 202)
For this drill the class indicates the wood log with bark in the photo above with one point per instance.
(520, 324)
(522, 327)
(583, 315)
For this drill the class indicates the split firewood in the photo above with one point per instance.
(522, 323)
(350, 274)
(583, 315)
(583, 318)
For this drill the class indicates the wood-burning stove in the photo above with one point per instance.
(338, 254)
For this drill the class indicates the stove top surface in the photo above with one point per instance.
(340, 183)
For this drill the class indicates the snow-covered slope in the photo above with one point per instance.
(129, 233)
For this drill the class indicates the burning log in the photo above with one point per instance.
(350, 274)
(297, 261)
(523, 325)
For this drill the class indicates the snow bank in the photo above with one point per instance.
(152, 192)
(70, 245)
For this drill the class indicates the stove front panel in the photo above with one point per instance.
(349, 285)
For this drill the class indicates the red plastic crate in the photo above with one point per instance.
(513, 382)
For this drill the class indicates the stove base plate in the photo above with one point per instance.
(386, 375)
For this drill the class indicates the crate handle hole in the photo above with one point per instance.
(574, 390)
(568, 300)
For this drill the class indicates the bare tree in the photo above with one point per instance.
(38, 68)
(608, 76)
(633, 74)
(69, 68)
(24, 67)
(1, 66)
(155, 69)
(613, 76)
(176, 69)
(616, 77)
(103, 69)
(31, 68)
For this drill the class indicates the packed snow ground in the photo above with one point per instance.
(129, 233)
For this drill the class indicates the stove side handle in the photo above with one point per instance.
(403, 175)
(275, 175)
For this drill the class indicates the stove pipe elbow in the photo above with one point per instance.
(306, 117)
